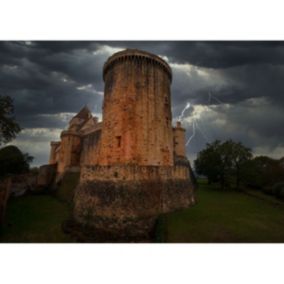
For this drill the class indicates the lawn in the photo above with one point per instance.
(218, 216)
(35, 218)
(225, 216)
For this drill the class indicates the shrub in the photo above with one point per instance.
(13, 161)
(278, 190)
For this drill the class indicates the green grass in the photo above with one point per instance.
(38, 218)
(218, 216)
(35, 218)
(225, 216)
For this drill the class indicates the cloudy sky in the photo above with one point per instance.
(235, 89)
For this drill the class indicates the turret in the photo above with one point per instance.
(70, 150)
(179, 140)
(71, 141)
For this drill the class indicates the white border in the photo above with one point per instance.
(142, 264)
(148, 20)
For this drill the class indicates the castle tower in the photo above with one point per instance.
(134, 174)
(179, 140)
(71, 141)
(70, 150)
(137, 110)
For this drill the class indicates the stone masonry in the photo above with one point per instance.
(133, 164)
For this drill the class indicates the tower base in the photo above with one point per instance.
(125, 211)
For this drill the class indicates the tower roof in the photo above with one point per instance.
(84, 113)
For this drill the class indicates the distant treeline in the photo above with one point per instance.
(232, 165)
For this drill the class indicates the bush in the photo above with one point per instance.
(13, 161)
(278, 190)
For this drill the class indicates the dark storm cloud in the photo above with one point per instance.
(254, 69)
(50, 81)
(218, 54)
(47, 79)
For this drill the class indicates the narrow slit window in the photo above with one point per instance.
(118, 141)
(166, 101)
(167, 121)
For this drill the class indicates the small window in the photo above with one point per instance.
(118, 141)
(167, 120)
(166, 101)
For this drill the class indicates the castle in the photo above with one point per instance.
(133, 163)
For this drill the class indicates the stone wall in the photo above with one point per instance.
(133, 172)
(122, 202)
(70, 150)
(90, 148)
(127, 209)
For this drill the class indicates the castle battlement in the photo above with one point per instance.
(138, 56)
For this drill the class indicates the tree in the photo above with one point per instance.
(264, 172)
(8, 126)
(208, 162)
(223, 162)
(13, 161)
(238, 155)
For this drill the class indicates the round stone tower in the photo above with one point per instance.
(70, 150)
(137, 110)
(136, 176)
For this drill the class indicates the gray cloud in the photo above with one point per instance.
(50, 81)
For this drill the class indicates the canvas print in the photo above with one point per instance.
(141, 141)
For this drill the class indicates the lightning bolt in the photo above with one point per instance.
(196, 125)
(193, 133)
(182, 113)
(201, 131)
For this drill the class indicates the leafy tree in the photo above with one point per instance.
(263, 171)
(13, 161)
(8, 126)
(223, 162)
(208, 162)
(238, 155)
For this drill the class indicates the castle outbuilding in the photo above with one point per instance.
(133, 163)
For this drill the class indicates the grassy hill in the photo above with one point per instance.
(218, 216)
(225, 216)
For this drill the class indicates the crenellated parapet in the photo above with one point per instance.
(136, 56)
